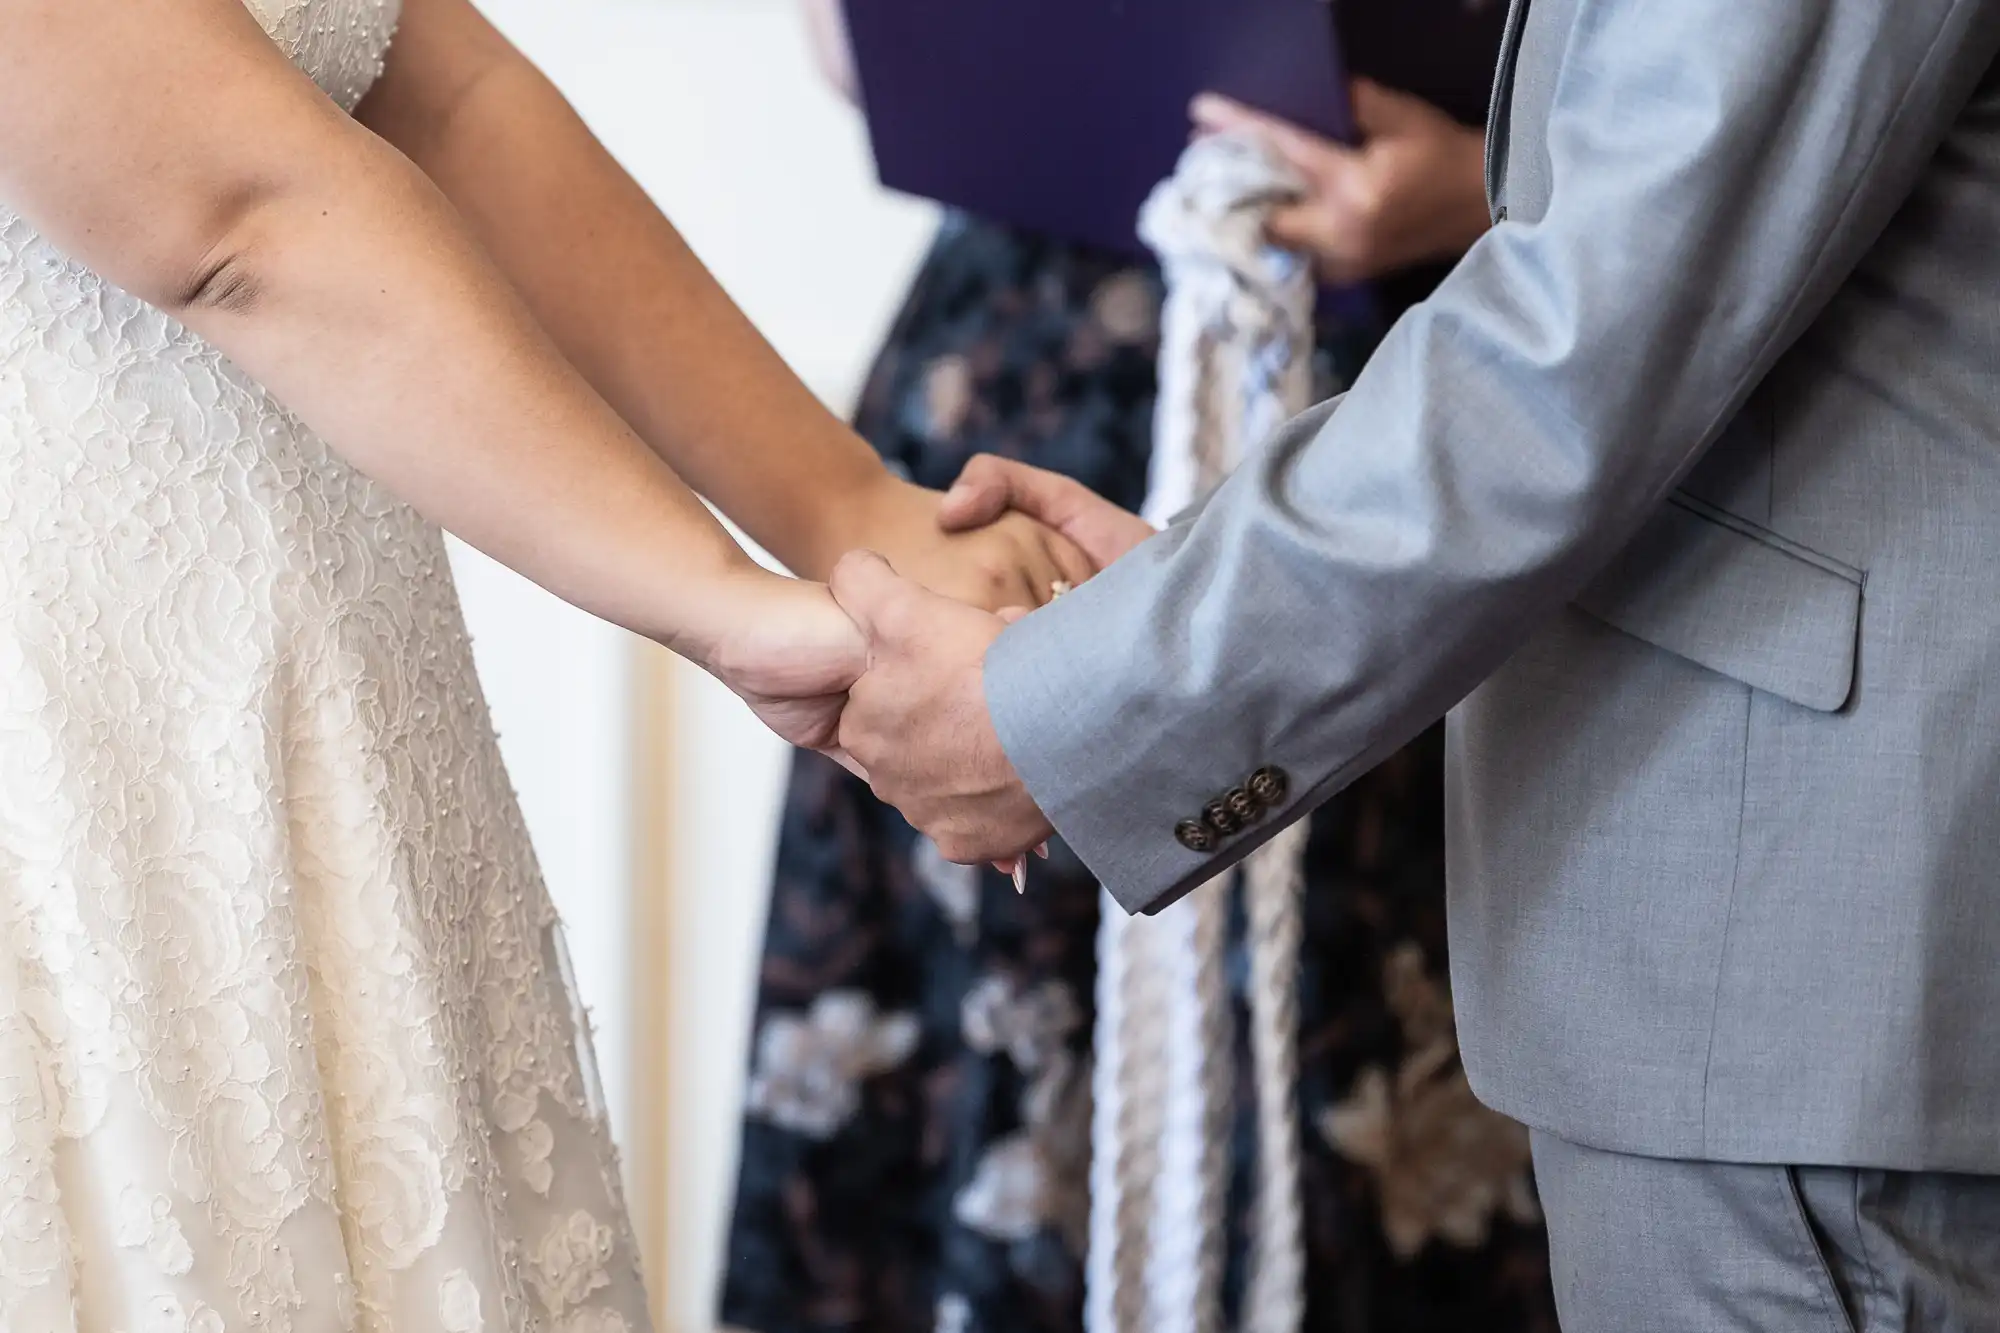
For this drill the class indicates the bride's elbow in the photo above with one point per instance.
(224, 273)
(228, 284)
(248, 246)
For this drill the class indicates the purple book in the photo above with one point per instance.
(1059, 116)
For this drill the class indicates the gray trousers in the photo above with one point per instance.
(1643, 1245)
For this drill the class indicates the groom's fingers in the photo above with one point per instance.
(980, 495)
(990, 486)
(874, 596)
(1076, 566)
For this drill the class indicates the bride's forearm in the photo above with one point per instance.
(367, 309)
(616, 287)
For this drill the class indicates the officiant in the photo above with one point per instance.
(917, 1135)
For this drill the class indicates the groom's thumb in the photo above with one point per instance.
(871, 593)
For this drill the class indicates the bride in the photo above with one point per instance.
(286, 1042)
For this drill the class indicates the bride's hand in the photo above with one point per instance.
(789, 651)
(1013, 561)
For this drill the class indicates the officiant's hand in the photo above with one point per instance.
(1001, 559)
(990, 486)
(917, 724)
(1412, 192)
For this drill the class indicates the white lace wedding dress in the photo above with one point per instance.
(286, 1040)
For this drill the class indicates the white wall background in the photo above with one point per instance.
(714, 106)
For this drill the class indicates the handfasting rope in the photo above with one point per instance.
(1235, 363)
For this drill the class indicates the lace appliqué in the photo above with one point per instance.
(276, 965)
(146, 1222)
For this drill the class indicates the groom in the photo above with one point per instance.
(1684, 492)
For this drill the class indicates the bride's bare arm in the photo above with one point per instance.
(634, 310)
(169, 146)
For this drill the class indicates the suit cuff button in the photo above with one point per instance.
(1247, 808)
(1269, 785)
(1195, 835)
(1218, 816)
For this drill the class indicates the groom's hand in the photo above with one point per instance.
(990, 486)
(917, 720)
(1011, 560)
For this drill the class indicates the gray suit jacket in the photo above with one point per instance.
(1685, 489)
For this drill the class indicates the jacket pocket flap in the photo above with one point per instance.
(1738, 599)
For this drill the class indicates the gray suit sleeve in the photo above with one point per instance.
(1716, 169)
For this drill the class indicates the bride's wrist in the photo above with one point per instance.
(711, 608)
(851, 517)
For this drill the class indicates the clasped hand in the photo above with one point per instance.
(917, 722)
(895, 688)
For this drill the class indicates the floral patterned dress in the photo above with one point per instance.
(916, 1143)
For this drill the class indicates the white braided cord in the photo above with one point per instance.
(1274, 889)
(1235, 363)
(1126, 1115)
